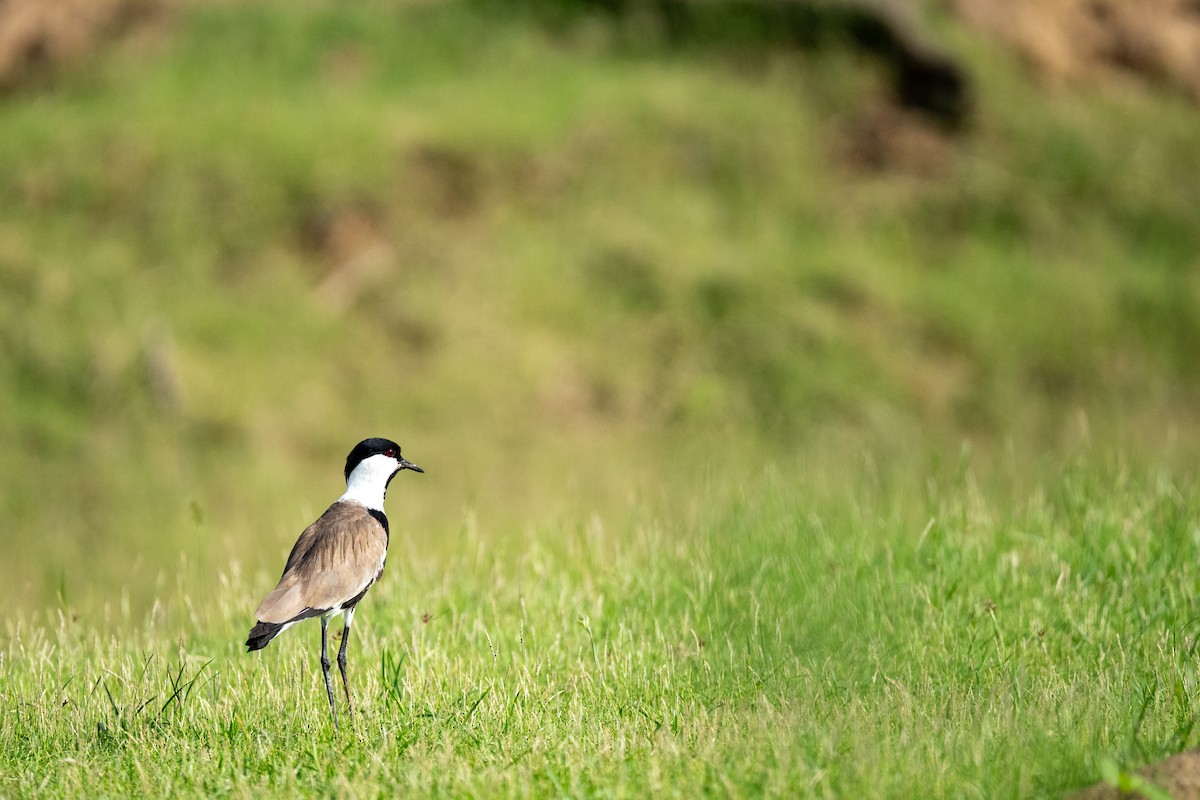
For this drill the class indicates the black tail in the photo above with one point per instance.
(261, 634)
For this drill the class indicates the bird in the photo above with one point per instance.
(336, 559)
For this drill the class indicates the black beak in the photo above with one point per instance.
(406, 464)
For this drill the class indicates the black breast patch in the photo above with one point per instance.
(381, 518)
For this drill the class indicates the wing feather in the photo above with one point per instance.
(334, 560)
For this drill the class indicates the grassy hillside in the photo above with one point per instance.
(772, 433)
(239, 241)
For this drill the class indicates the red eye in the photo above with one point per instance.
(390, 453)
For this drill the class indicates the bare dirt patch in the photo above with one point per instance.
(885, 137)
(1178, 777)
(36, 35)
(1070, 40)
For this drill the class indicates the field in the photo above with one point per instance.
(778, 440)
(937, 640)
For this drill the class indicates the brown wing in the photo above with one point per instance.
(333, 561)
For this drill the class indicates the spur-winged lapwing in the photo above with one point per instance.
(337, 558)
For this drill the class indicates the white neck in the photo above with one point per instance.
(367, 484)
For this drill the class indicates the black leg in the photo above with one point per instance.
(325, 669)
(342, 663)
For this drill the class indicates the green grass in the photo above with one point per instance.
(683, 376)
(949, 637)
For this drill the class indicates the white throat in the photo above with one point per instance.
(368, 482)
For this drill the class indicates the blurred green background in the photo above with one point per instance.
(573, 256)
